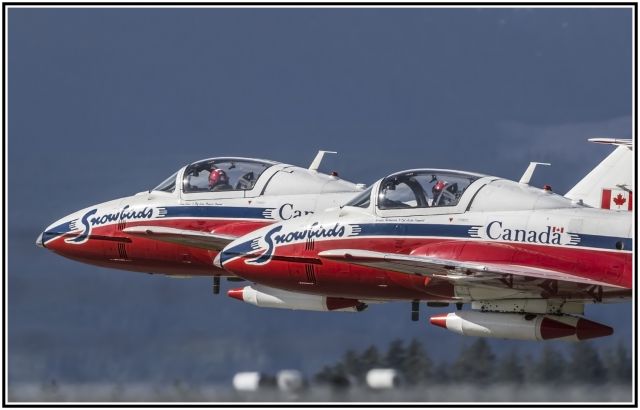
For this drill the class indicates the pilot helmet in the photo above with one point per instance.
(438, 187)
(217, 176)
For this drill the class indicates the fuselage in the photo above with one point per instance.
(259, 193)
(488, 220)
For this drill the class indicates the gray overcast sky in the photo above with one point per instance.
(107, 102)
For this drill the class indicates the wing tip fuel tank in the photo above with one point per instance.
(586, 329)
(439, 320)
(236, 294)
(263, 296)
(552, 329)
(520, 326)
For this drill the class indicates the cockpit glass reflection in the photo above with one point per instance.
(362, 200)
(168, 185)
(423, 189)
(215, 175)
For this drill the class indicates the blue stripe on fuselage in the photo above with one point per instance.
(241, 249)
(215, 212)
(462, 231)
(390, 229)
(56, 231)
(605, 242)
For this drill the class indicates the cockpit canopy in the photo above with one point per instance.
(223, 174)
(437, 191)
(423, 189)
(218, 174)
(168, 185)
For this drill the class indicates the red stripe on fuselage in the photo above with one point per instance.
(353, 281)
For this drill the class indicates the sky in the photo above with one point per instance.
(103, 103)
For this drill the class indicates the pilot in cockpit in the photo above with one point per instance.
(444, 194)
(218, 180)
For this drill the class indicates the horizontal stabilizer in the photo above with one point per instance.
(197, 239)
(612, 141)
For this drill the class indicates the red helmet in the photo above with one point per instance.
(217, 176)
(438, 187)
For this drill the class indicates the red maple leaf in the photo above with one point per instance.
(619, 200)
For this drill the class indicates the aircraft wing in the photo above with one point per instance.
(495, 275)
(197, 239)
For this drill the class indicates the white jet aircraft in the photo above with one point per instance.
(525, 259)
(163, 230)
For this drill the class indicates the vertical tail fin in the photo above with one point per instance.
(610, 184)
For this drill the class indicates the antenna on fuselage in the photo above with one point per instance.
(526, 177)
(315, 164)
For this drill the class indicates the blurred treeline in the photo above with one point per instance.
(476, 363)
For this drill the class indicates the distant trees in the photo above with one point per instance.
(509, 369)
(585, 365)
(478, 364)
(396, 354)
(353, 364)
(352, 367)
(550, 366)
(371, 359)
(618, 364)
(417, 366)
(474, 364)
(412, 362)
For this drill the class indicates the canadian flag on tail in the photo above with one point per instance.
(617, 199)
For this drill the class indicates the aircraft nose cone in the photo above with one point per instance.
(39, 241)
(216, 261)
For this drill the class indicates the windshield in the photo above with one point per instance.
(223, 174)
(168, 185)
(423, 189)
(362, 200)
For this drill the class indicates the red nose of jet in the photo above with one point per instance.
(69, 237)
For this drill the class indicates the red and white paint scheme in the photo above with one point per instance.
(263, 296)
(178, 227)
(526, 260)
